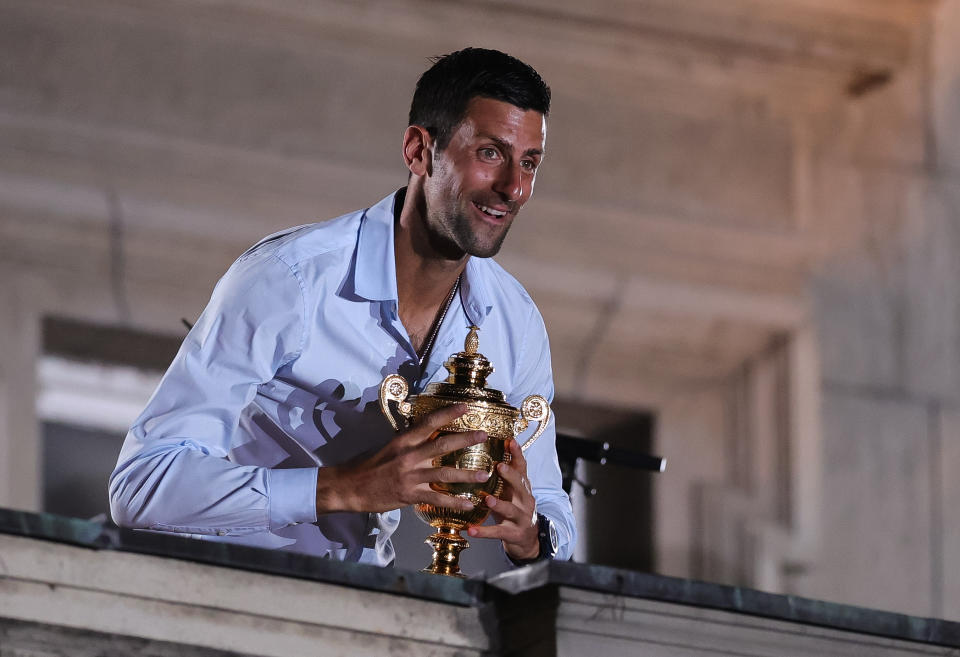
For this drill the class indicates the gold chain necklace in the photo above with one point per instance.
(435, 329)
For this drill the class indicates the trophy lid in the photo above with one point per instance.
(468, 372)
(469, 367)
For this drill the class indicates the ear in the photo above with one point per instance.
(418, 150)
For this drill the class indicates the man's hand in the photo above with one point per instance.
(400, 474)
(515, 512)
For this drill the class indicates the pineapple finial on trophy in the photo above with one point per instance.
(469, 368)
(472, 342)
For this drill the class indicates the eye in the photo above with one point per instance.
(528, 165)
(489, 153)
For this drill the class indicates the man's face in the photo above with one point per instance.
(483, 177)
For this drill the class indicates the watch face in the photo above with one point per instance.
(549, 540)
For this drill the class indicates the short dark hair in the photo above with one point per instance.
(446, 88)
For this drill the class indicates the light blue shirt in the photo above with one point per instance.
(280, 376)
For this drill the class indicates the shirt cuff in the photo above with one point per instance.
(293, 496)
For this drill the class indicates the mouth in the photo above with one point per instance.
(491, 213)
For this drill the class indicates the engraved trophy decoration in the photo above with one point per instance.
(487, 411)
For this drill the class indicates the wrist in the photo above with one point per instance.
(547, 543)
(332, 493)
(526, 556)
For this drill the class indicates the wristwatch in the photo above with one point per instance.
(548, 539)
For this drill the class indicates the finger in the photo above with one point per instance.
(430, 496)
(433, 422)
(508, 510)
(516, 479)
(519, 461)
(490, 531)
(451, 442)
(427, 427)
(510, 535)
(450, 476)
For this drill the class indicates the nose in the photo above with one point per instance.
(510, 183)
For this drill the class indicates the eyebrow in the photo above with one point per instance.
(507, 146)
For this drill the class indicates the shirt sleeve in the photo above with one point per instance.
(173, 473)
(535, 376)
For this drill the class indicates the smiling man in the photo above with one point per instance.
(266, 429)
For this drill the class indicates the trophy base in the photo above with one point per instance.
(447, 543)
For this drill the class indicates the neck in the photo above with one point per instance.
(424, 276)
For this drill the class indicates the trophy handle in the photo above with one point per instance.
(394, 388)
(534, 408)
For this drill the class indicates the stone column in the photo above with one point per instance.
(945, 71)
(20, 449)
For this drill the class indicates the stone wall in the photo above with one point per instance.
(888, 316)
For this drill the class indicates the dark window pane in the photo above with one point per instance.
(76, 465)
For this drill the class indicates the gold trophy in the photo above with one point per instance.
(488, 411)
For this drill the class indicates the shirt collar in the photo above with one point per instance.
(474, 292)
(375, 273)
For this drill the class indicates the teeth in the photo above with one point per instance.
(491, 211)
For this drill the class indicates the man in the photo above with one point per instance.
(266, 428)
